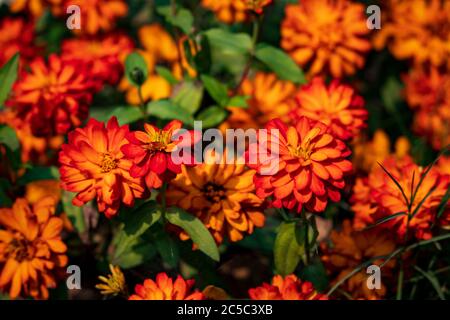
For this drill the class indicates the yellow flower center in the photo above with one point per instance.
(302, 151)
(20, 249)
(108, 163)
(159, 141)
(213, 192)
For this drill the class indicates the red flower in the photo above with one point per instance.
(289, 288)
(93, 166)
(336, 105)
(53, 97)
(311, 165)
(151, 153)
(166, 289)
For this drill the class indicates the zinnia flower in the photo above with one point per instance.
(287, 288)
(221, 195)
(164, 288)
(417, 30)
(336, 105)
(311, 165)
(228, 11)
(31, 250)
(102, 56)
(269, 98)
(53, 97)
(93, 166)
(349, 249)
(114, 284)
(35, 7)
(377, 196)
(151, 153)
(16, 35)
(36, 190)
(427, 93)
(329, 36)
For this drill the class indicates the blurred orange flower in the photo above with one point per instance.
(164, 288)
(336, 105)
(287, 288)
(269, 98)
(36, 190)
(151, 153)
(427, 93)
(349, 249)
(227, 11)
(443, 167)
(367, 153)
(417, 30)
(53, 97)
(329, 36)
(102, 56)
(93, 166)
(377, 196)
(17, 35)
(220, 195)
(311, 166)
(31, 250)
(35, 7)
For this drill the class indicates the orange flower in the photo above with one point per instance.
(227, 11)
(16, 35)
(417, 30)
(96, 15)
(367, 154)
(35, 149)
(311, 166)
(377, 196)
(93, 165)
(257, 5)
(443, 167)
(35, 7)
(102, 56)
(269, 98)
(31, 249)
(220, 195)
(53, 97)
(327, 35)
(349, 249)
(426, 92)
(166, 289)
(36, 190)
(287, 288)
(151, 153)
(336, 105)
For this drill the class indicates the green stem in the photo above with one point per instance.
(306, 235)
(141, 101)
(400, 280)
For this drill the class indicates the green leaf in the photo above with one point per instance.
(433, 280)
(136, 223)
(168, 249)
(136, 255)
(317, 274)
(8, 75)
(124, 114)
(166, 74)
(228, 41)
(181, 18)
(216, 90)
(212, 116)
(203, 58)
(239, 101)
(196, 230)
(136, 69)
(5, 200)
(74, 213)
(39, 173)
(288, 248)
(280, 63)
(9, 138)
(188, 95)
(167, 110)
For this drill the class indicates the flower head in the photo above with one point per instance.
(34, 7)
(418, 30)
(228, 11)
(164, 288)
(221, 195)
(336, 105)
(328, 36)
(152, 153)
(309, 168)
(287, 288)
(93, 166)
(53, 97)
(378, 196)
(31, 250)
(102, 56)
(114, 284)
(349, 249)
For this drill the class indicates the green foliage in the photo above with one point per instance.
(8, 138)
(212, 116)
(288, 248)
(188, 95)
(167, 110)
(8, 75)
(136, 69)
(181, 18)
(74, 213)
